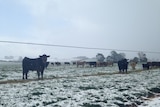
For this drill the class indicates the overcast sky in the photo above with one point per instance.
(110, 24)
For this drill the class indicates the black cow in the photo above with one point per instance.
(37, 64)
(155, 64)
(52, 63)
(74, 63)
(92, 64)
(67, 63)
(57, 63)
(146, 66)
(123, 65)
(149, 65)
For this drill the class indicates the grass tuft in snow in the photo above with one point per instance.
(90, 105)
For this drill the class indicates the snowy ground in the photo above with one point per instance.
(68, 86)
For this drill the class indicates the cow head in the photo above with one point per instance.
(44, 58)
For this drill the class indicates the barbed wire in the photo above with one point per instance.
(67, 46)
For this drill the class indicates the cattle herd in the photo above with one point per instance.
(39, 64)
(150, 65)
(84, 63)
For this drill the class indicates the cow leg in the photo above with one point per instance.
(38, 73)
(126, 70)
(123, 70)
(25, 74)
(120, 71)
(42, 74)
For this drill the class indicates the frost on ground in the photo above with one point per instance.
(73, 89)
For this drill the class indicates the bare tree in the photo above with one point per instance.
(117, 56)
(109, 58)
(142, 57)
(9, 57)
(100, 57)
(136, 59)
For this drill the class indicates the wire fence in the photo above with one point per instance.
(67, 46)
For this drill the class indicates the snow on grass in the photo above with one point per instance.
(76, 90)
(155, 102)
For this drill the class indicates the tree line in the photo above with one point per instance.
(115, 57)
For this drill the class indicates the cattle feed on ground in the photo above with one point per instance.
(37, 64)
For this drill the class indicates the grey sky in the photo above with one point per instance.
(113, 24)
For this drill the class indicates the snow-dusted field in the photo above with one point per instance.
(68, 86)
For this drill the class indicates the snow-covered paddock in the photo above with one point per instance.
(78, 87)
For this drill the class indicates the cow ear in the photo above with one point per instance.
(44, 55)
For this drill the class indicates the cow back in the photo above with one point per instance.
(33, 64)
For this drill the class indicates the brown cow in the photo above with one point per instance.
(80, 63)
(133, 65)
(109, 63)
(101, 64)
